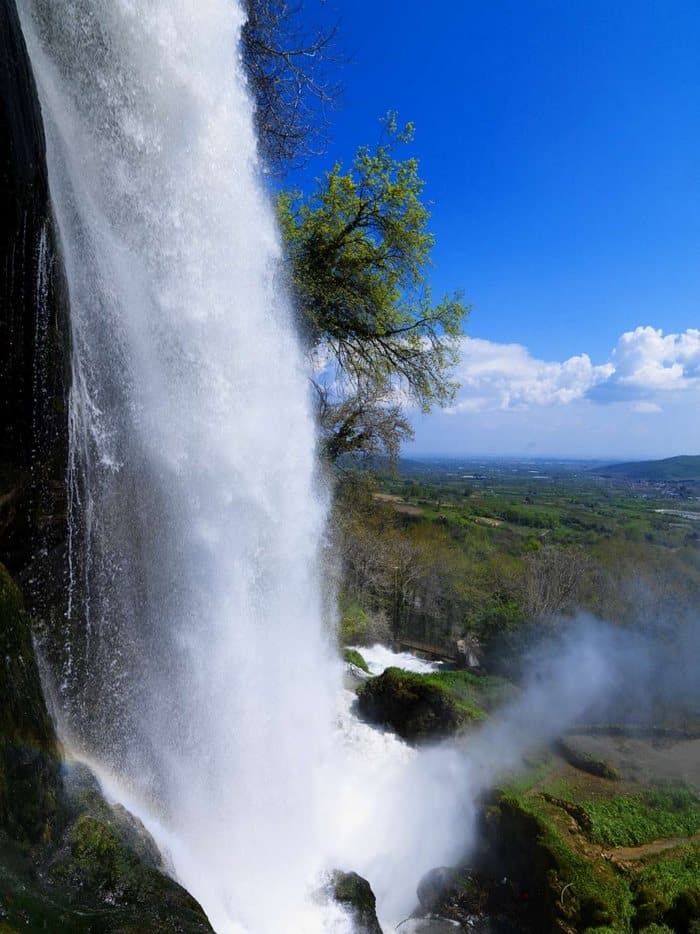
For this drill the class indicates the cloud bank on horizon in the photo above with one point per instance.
(510, 402)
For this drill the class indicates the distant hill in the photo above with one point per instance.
(683, 468)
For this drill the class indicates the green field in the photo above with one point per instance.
(442, 550)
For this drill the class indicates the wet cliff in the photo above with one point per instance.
(68, 860)
(34, 337)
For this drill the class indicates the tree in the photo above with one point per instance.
(554, 580)
(359, 247)
(287, 67)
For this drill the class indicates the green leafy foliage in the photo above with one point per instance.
(359, 246)
(354, 624)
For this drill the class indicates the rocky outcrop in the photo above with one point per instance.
(68, 860)
(414, 706)
(34, 341)
(29, 757)
(106, 862)
(356, 896)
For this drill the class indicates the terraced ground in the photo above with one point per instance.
(613, 854)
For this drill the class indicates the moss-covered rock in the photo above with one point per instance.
(585, 762)
(103, 876)
(29, 757)
(33, 899)
(106, 861)
(567, 890)
(355, 895)
(353, 657)
(417, 707)
(69, 861)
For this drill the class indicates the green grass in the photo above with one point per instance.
(536, 770)
(678, 871)
(483, 692)
(666, 889)
(353, 657)
(586, 762)
(635, 819)
(457, 685)
(603, 897)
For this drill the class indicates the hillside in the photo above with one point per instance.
(685, 467)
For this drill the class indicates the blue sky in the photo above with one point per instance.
(560, 143)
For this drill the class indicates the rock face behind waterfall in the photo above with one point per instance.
(68, 861)
(29, 767)
(34, 341)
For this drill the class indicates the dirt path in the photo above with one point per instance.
(623, 854)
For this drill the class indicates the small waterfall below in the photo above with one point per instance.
(195, 663)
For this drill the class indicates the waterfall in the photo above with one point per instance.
(195, 663)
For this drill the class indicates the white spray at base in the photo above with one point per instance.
(195, 671)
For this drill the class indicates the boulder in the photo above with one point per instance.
(436, 887)
(355, 895)
(69, 861)
(412, 705)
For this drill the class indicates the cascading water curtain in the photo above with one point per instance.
(194, 664)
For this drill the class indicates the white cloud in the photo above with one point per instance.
(651, 361)
(646, 408)
(644, 366)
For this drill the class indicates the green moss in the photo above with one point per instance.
(29, 773)
(100, 860)
(353, 657)
(479, 692)
(35, 900)
(356, 896)
(416, 706)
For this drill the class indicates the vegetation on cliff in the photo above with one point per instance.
(68, 860)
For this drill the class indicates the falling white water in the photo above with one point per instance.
(201, 675)
(194, 672)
